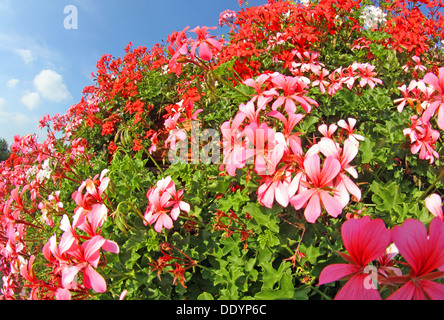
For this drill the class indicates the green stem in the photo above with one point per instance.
(320, 292)
(194, 220)
(218, 78)
(155, 162)
(440, 175)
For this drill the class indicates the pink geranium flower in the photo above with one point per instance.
(262, 97)
(164, 204)
(437, 104)
(345, 155)
(349, 127)
(87, 256)
(425, 254)
(204, 43)
(423, 138)
(319, 187)
(292, 138)
(175, 134)
(293, 90)
(368, 75)
(365, 240)
(280, 187)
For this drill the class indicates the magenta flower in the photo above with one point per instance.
(365, 240)
(319, 187)
(322, 75)
(157, 211)
(175, 134)
(425, 254)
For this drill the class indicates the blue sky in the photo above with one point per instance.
(44, 66)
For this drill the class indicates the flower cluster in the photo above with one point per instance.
(330, 114)
(426, 99)
(288, 174)
(79, 248)
(164, 204)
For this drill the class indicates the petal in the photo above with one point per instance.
(92, 279)
(411, 240)
(312, 165)
(336, 272)
(313, 208)
(299, 200)
(205, 51)
(355, 289)
(111, 246)
(406, 292)
(329, 171)
(68, 275)
(434, 204)
(350, 151)
(365, 240)
(331, 205)
(268, 196)
(184, 206)
(328, 148)
(62, 294)
(433, 289)
(281, 194)
(91, 248)
(436, 240)
(441, 115)
(351, 186)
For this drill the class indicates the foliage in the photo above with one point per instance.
(239, 168)
(4, 150)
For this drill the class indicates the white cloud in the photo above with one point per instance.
(31, 100)
(11, 83)
(50, 85)
(26, 55)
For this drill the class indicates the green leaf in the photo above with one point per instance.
(366, 150)
(262, 218)
(205, 296)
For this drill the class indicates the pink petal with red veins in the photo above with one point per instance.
(411, 239)
(355, 289)
(433, 289)
(334, 272)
